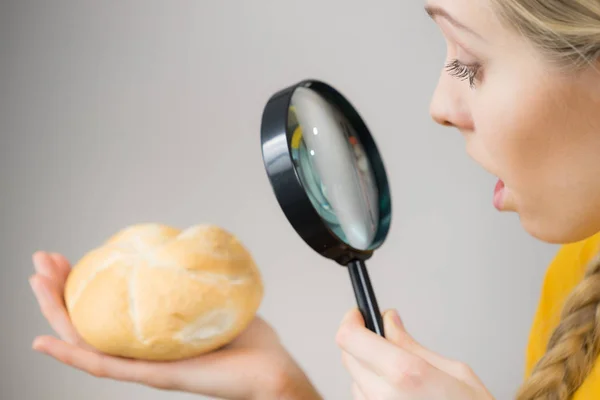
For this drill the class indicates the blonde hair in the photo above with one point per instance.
(567, 32)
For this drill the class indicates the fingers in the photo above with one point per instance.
(53, 309)
(44, 265)
(375, 352)
(48, 287)
(62, 265)
(404, 373)
(367, 384)
(103, 366)
(365, 380)
(210, 375)
(357, 394)
(54, 266)
(397, 334)
(406, 370)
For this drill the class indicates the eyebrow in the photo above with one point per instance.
(436, 11)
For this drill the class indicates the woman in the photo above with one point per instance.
(522, 84)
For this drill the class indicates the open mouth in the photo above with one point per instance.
(499, 192)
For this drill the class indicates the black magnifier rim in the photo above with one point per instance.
(287, 185)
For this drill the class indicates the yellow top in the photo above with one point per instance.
(564, 273)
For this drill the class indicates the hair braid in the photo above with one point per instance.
(574, 346)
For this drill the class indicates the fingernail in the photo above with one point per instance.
(32, 284)
(349, 315)
(36, 346)
(346, 317)
(36, 260)
(396, 319)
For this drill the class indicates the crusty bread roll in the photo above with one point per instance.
(153, 292)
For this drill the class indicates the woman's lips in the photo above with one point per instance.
(499, 194)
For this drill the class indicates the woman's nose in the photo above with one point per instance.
(449, 106)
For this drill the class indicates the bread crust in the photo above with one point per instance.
(154, 292)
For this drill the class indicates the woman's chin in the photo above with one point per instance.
(552, 230)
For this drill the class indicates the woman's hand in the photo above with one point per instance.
(397, 367)
(254, 366)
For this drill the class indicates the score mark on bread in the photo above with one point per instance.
(157, 293)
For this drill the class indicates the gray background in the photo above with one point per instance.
(118, 112)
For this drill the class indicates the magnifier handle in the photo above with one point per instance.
(365, 296)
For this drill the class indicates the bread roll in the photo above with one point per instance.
(153, 292)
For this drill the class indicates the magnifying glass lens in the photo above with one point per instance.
(333, 168)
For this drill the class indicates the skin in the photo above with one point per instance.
(524, 120)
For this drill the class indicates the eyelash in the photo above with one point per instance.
(464, 71)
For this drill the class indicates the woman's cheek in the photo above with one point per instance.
(511, 121)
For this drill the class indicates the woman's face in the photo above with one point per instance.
(525, 121)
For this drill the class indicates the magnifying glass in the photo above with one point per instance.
(329, 179)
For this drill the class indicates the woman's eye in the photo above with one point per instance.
(464, 71)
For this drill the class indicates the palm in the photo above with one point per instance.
(232, 372)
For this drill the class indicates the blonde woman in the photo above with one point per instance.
(522, 84)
